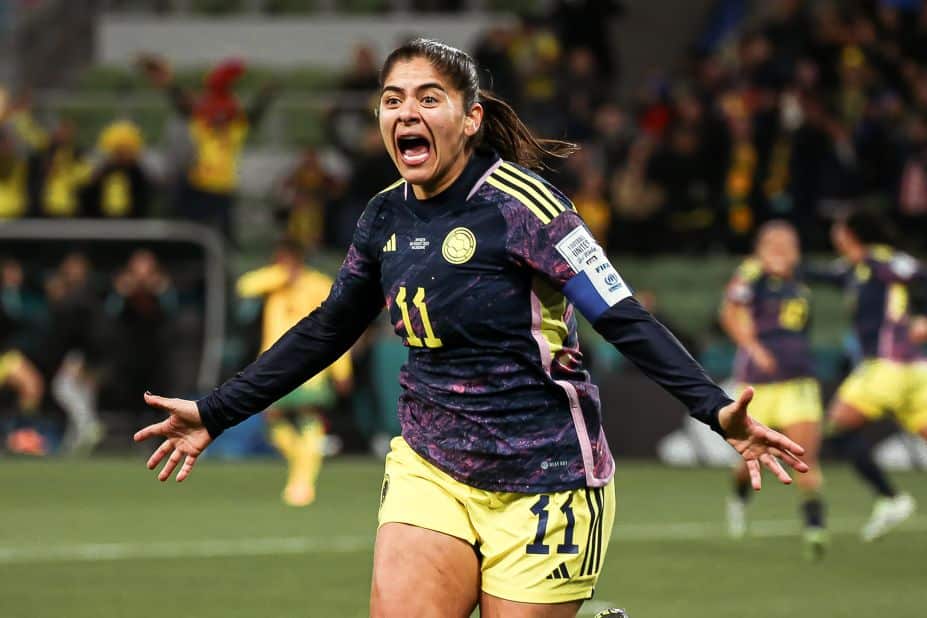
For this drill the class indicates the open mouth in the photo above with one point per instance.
(413, 149)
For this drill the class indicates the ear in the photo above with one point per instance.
(474, 120)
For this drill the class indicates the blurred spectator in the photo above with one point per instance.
(587, 24)
(63, 172)
(497, 69)
(580, 93)
(638, 222)
(592, 205)
(372, 171)
(913, 190)
(217, 127)
(364, 72)
(21, 312)
(73, 351)
(537, 54)
(119, 186)
(141, 303)
(14, 176)
(304, 194)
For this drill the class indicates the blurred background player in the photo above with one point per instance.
(291, 290)
(765, 311)
(887, 289)
(20, 375)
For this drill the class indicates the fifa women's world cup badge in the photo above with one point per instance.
(459, 245)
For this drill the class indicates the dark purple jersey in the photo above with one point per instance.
(880, 290)
(482, 283)
(780, 309)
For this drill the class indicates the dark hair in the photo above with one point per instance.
(869, 227)
(773, 225)
(502, 129)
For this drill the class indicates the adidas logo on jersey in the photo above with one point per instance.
(390, 244)
(560, 572)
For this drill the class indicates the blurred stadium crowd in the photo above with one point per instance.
(789, 109)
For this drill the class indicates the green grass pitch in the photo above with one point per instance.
(102, 538)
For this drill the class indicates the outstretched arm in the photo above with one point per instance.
(565, 252)
(161, 75)
(650, 346)
(307, 348)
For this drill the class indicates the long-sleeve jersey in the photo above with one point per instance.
(779, 309)
(885, 289)
(482, 282)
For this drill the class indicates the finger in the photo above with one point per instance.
(160, 453)
(776, 468)
(778, 440)
(756, 479)
(790, 458)
(186, 468)
(161, 403)
(168, 468)
(156, 429)
(746, 396)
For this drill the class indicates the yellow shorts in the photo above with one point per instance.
(781, 404)
(9, 363)
(878, 386)
(534, 548)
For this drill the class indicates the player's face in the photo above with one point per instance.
(424, 126)
(779, 252)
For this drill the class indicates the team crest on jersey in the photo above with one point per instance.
(459, 245)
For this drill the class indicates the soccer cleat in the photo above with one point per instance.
(298, 494)
(614, 612)
(736, 518)
(815, 541)
(886, 514)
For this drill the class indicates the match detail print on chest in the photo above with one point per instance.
(421, 269)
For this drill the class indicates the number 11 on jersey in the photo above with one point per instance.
(418, 300)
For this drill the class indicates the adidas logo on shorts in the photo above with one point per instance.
(560, 572)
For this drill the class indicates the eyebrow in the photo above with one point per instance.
(425, 86)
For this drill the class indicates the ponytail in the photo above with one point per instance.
(504, 132)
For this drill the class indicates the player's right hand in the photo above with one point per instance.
(763, 359)
(185, 436)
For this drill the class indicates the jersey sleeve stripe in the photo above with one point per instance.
(539, 186)
(528, 202)
(543, 200)
(392, 186)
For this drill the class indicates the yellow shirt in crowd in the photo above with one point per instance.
(217, 152)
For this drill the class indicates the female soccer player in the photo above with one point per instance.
(499, 492)
(765, 311)
(888, 291)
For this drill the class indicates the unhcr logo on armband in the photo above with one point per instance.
(390, 245)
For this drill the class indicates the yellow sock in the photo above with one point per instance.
(283, 437)
(312, 443)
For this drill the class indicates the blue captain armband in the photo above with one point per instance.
(597, 285)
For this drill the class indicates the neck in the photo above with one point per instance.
(425, 191)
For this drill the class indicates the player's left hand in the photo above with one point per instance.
(757, 443)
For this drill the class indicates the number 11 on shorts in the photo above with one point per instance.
(538, 547)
